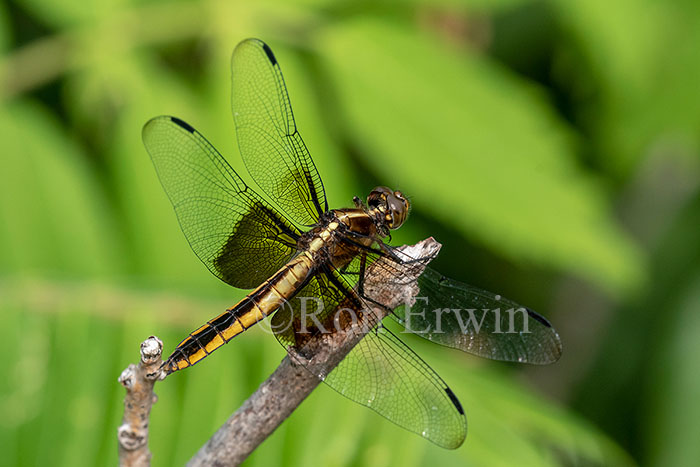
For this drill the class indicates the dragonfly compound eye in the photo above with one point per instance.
(397, 208)
(256, 245)
(377, 197)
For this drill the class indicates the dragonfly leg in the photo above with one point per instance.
(361, 286)
(384, 250)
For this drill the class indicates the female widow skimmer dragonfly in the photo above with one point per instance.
(296, 246)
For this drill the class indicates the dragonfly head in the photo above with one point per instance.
(390, 208)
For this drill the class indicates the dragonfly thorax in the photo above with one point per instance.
(340, 266)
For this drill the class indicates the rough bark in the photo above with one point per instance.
(295, 377)
(138, 381)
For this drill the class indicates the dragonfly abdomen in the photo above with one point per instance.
(267, 298)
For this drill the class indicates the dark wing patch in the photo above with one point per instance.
(270, 55)
(380, 372)
(455, 401)
(182, 124)
(482, 323)
(463, 317)
(234, 232)
(255, 239)
(536, 316)
(270, 144)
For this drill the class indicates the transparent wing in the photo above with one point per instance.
(463, 317)
(380, 372)
(482, 323)
(269, 141)
(237, 235)
(384, 374)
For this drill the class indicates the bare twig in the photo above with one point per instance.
(291, 383)
(138, 381)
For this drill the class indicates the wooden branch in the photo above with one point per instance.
(291, 382)
(138, 381)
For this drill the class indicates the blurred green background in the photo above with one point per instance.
(551, 146)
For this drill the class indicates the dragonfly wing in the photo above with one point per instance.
(380, 372)
(464, 317)
(482, 323)
(234, 232)
(270, 144)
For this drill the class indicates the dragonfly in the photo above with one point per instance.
(288, 244)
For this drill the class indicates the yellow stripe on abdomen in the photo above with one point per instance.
(257, 305)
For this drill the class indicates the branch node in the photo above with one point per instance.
(127, 377)
(138, 381)
(130, 439)
(151, 350)
(297, 374)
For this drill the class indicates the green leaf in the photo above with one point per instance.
(307, 102)
(489, 5)
(645, 56)
(5, 36)
(55, 216)
(47, 418)
(673, 433)
(73, 12)
(477, 148)
(117, 99)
